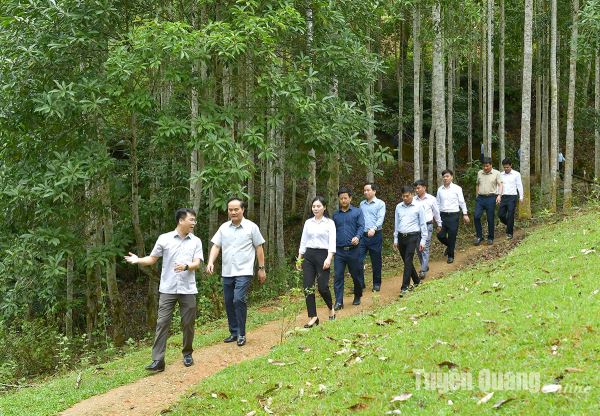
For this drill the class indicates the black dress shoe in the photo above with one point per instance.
(188, 360)
(241, 340)
(403, 293)
(490, 242)
(315, 323)
(450, 260)
(338, 306)
(230, 338)
(477, 241)
(156, 366)
(356, 300)
(376, 288)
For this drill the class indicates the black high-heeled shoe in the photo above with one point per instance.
(315, 323)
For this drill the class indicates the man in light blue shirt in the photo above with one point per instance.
(410, 232)
(373, 210)
(181, 252)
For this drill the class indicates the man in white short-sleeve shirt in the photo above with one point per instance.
(241, 242)
(181, 252)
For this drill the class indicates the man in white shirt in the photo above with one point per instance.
(513, 189)
(451, 201)
(241, 242)
(373, 210)
(182, 254)
(432, 212)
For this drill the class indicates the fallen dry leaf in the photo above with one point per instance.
(358, 406)
(573, 370)
(450, 402)
(501, 403)
(322, 388)
(252, 413)
(449, 364)
(393, 412)
(485, 398)
(273, 362)
(551, 388)
(402, 398)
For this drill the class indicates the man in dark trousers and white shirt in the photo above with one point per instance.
(451, 200)
(410, 232)
(432, 214)
(373, 210)
(242, 243)
(513, 189)
(182, 254)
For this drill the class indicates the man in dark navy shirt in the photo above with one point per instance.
(349, 225)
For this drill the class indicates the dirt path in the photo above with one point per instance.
(150, 395)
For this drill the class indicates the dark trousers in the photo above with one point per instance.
(235, 293)
(449, 231)
(312, 266)
(166, 306)
(373, 246)
(342, 259)
(506, 212)
(487, 204)
(407, 246)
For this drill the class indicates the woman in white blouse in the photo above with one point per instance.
(317, 248)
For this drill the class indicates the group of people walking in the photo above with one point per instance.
(345, 239)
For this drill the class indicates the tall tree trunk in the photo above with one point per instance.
(490, 77)
(400, 80)
(430, 175)
(333, 181)
(312, 164)
(597, 108)
(553, 111)
(416, 93)
(545, 148)
(586, 84)
(484, 89)
(279, 199)
(501, 137)
(469, 110)
(450, 113)
(438, 105)
(538, 125)
(525, 207)
(370, 133)
(293, 199)
(69, 314)
(570, 138)
(421, 104)
(93, 287)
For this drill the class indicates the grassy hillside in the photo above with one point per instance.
(529, 320)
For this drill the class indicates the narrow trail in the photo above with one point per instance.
(152, 394)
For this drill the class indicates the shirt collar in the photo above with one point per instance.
(176, 235)
(350, 208)
(374, 200)
(231, 224)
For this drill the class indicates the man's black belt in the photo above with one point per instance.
(429, 222)
(486, 195)
(376, 232)
(348, 248)
(409, 234)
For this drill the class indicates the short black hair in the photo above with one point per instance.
(447, 171)
(506, 162)
(235, 198)
(182, 213)
(420, 182)
(487, 160)
(407, 189)
(372, 185)
(345, 190)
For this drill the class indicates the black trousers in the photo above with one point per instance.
(312, 266)
(407, 246)
(506, 212)
(449, 231)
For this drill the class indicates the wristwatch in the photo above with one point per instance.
(187, 267)
(261, 267)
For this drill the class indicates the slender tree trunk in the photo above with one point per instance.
(570, 138)
(416, 93)
(490, 77)
(333, 181)
(438, 105)
(370, 133)
(538, 125)
(586, 84)
(553, 111)
(525, 207)
(421, 106)
(400, 79)
(312, 164)
(450, 113)
(430, 175)
(93, 287)
(545, 158)
(279, 199)
(469, 111)
(69, 314)
(597, 108)
(484, 88)
(501, 133)
(294, 191)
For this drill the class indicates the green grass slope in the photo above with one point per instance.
(510, 327)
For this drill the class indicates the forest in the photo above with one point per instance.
(113, 114)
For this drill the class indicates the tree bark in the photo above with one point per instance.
(69, 313)
(490, 77)
(597, 108)
(525, 207)
(545, 148)
(553, 111)
(416, 93)
(501, 129)
(570, 135)
(312, 164)
(438, 105)
(421, 104)
(469, 111)
(370, 133)
(400, 80)
(538, 125)
(450, 113)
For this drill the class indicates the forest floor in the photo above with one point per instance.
(153, 394)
